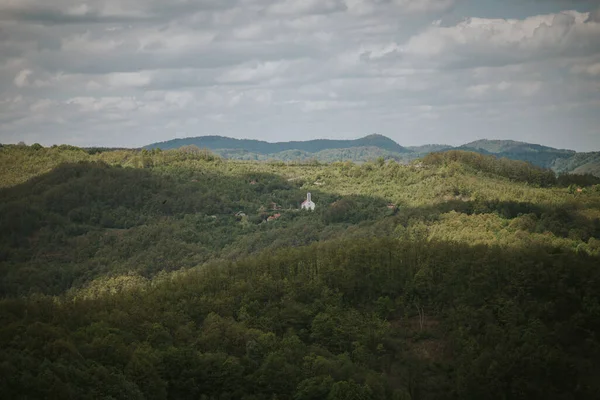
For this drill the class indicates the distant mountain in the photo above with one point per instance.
(508, 146)
(376, 146)
(536, 154)
(262, 147)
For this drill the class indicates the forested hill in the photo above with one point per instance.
(512, 146)
(176, 274)
(373, 147)
(261, 147)
(580, 163)
(536, 154)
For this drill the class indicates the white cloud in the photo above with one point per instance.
(181, 99)
(483, 40)
(129, 79)
(253, 72)
(22, 78)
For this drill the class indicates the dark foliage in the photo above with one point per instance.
(582, 180)
(383, 318)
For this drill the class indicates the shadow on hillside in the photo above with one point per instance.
(83, 220)
(96, 194)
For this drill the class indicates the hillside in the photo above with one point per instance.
(180, 275)
(536, 154)
(580, 163)
(511, 146)
(261, 147)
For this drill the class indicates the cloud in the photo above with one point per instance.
(63, 12)
(299, 7)
(483, 41)
(367, 7)
(93, 104)
(22, 79)
(309, 106)
(591, 69)
(421, 6)
(115, 72)
(594, 16)
(253, 72)
(517, 88)
(129, 79)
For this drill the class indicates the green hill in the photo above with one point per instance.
(177, 274)
(511, 146)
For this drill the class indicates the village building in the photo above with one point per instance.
(308, 204)
(273, 217)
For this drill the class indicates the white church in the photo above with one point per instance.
(308, 204)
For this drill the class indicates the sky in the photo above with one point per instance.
(128, 73)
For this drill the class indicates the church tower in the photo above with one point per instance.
(308, 204)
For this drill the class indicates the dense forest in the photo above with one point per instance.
(176, 274)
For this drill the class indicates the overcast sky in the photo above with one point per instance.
(133, 72)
